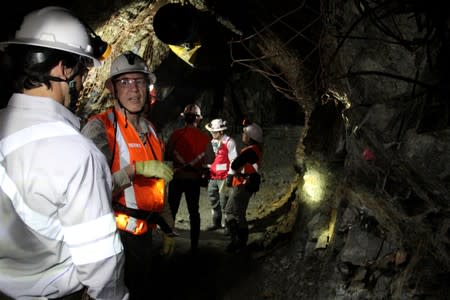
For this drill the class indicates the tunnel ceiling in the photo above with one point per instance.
(235, 35)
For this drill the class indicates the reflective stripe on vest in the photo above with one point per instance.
(131, 224)
(82, 240)
(124, 160)
(145, 193)
(44, 225)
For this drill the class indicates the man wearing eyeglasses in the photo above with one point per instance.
(135, 153)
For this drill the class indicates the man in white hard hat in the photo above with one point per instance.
(245, 181)
(135, 152)
(225, 151)
(58, 234)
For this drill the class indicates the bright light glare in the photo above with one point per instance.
(314, 184)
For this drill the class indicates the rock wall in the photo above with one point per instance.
(385, 78)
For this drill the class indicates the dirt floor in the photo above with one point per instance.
(212, 273)
(205, 275)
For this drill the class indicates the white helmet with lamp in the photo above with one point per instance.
(55, 28)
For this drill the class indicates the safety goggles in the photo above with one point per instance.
(131, 82)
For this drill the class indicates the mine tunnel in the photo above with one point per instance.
(353, 100)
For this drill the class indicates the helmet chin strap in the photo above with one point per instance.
(127, 110)
(73, 92)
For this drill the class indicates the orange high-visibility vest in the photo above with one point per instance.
(146, 194)
(247, 168)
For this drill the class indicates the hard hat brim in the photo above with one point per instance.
(215, 129)
(50, 45)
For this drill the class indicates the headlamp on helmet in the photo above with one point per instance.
(101, 49)
(57, 28)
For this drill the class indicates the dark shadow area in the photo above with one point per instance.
(206, 275)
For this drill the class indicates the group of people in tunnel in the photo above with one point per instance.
(80, 208)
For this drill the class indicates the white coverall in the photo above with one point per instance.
(57, 230)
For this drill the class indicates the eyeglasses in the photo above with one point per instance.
(130, 82)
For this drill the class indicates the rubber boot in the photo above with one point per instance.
(233, 229)
(194, 232)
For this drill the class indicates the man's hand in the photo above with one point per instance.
(154, 168)
(168, 245)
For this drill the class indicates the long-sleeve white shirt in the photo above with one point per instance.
(57, 230)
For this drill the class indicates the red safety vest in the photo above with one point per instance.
(187, 147)
(248, 168)
(221, 165)
(146, 194)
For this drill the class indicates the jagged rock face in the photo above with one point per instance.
(369, 82)
(384, 70)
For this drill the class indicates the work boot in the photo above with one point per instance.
(233, 229)
(242, 239)
(194, 232)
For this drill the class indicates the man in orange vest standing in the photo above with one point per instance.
(224, 148)
(135, 153)
(244, 180)
(186, 148)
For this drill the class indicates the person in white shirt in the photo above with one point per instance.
(225, 151)
(58, 236)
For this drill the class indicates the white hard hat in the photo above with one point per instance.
(216, 125)
(129, 62)
(56, 28)
(192, 109)
(254, 132)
